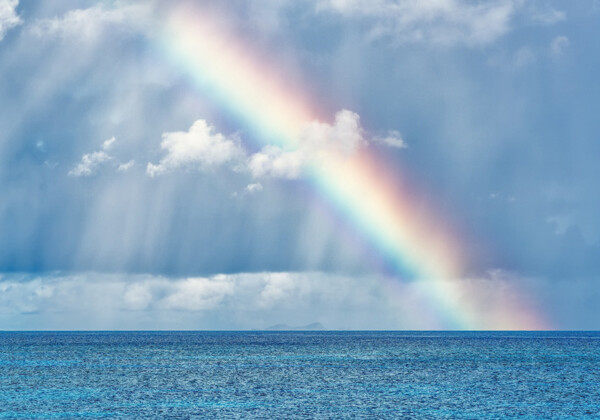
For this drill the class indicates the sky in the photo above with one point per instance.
(381, 164)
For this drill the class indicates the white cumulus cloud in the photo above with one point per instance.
(275, 162)
(90, 162)
(317, 141)
(252, 188)
(344, 136)
(200, 147)
(392, 138)
(124, 167)
(108, 144)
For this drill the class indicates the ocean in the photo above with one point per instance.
(300, 374)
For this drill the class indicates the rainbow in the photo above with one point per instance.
(241, 81)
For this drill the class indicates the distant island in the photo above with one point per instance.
(315, 326)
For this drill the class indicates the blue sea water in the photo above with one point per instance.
(299, 374)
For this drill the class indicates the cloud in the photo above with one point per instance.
(249, 189)
(252, 188)
(8, 16)
(223, 301)
(317, 141)
(88, 25)
(198, 294)
(523, 57)
(200, 147)
(393, 139)
(90, 162)
(190, 294)
(257, 300)
(450, 22)
(108, 144)
(344, 136)
(137, 296)
(124, 167)
(559, 44)
(278, 287)
(273, 161)
(549, 17)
